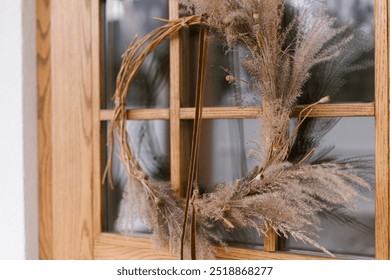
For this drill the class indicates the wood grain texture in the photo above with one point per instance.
(339, 110)
(174, 101)
(44, 129)
(68, 127)
(387, 202)
(98, 144)
(116, 247)
(382, 129)
(324, 110)
(72, 90)
(271, 241)
(138, 114)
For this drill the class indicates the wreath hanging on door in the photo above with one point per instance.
(284, 193)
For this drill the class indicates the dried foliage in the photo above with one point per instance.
(280, 194)
(156, 206)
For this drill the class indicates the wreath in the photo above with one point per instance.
(288, 190)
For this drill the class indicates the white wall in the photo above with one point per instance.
(18, 131)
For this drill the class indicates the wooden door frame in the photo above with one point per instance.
(69, 63)
(69, 84)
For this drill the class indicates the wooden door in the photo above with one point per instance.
(69, 39)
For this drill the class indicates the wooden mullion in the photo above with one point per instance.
(270, 237)
(319, 111)
(174, 102)
(338, 110)
(382, 130)
(138, 114)
(271, 241)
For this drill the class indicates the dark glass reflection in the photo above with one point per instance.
(149, 141)
(350, 77)
(125, 19)
(221, 62)
(347, 138)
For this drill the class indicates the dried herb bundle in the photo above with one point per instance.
(280, 194)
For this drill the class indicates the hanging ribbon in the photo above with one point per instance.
(192, 173)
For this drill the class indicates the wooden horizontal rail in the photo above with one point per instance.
(138, 114)
(339, 110)
(117, 247)
(323, 110)
(222, 113)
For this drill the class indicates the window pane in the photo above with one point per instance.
(149, 141)
(125, 19)
(349, 78)
(224, 148)
(221, 63)
(348, 138)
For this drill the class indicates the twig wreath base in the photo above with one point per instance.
(279, 194)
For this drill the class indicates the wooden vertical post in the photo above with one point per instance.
(382, 129)
(44, 129)
(98, 145)
(72, 125)
(271, 241)
(174, 107)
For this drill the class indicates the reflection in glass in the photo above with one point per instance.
(125, 19)
(347, 138)
(218, 91)
(149, 141)
(350, 77)
(224, 156)
(221, 62)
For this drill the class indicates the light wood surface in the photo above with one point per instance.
(176, 85)
(271, 241)
(117, 247)
(385, 204)
(185, 99)
(44, 129)
(68, 82)
(98, 137)
(324, 110)
(382, 130)
(138, 114)
(72, 93)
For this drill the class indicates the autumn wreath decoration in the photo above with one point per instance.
(283, 193)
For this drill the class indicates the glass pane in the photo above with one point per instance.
(224, 156)
(221, 63)
(125, 19)
(347, 138)
(150, 143)
(350, 78)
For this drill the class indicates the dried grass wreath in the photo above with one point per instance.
(281, 194)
